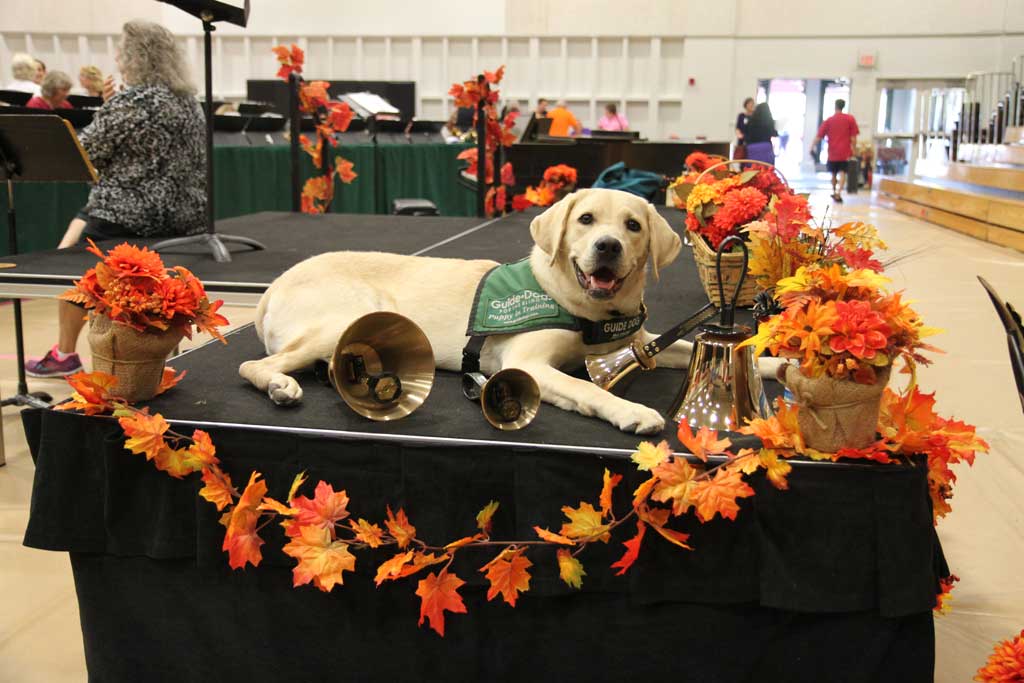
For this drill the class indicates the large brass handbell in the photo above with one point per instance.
(610, 369)
(383, 366)
(723, 388)
(510, 399)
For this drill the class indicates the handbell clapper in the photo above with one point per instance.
(510, 399)
(383, 366)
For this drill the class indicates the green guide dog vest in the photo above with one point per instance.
(509, 300)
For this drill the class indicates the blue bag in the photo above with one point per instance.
(641, 183)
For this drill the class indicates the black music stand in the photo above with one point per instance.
(36, 148)
(210, 11)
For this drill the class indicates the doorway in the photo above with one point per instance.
(799, 105)
(915, 123)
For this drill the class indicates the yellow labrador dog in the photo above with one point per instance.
(591, 255)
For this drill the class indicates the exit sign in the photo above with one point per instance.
(867, 60)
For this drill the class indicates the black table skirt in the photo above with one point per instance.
(833, 578)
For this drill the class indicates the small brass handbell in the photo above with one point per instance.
(610, 369)
(383, 366)
(723, 388)
(510, 399)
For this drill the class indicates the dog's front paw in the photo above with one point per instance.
(633, 417)
(284, 390)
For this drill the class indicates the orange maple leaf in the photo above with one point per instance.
(508, 576)
(675, 484)
(321, 559)
(569, 569)
(462, 542)
(400, 528)
(552, 537)
(344, 169)
(776, 468)
(370, 534)
(632, 550)
(485, 516)
(145, 433)
(495, 76)
(324, 510)
(585, 523)
(407, 564)
(644, 490)
(605, 499)
(174, 462)
(241, 541)
(704, 443)
(657, 519)
(170, 379)
(271, 505)
(218, 489)
(201, 453)
(93, 387)
(439, 594)
(718, 495)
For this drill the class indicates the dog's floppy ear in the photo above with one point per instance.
(665, 243)
(548, 229)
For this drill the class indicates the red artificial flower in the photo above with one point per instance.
(860, 330)
(739, 206)
(520, 202)
(507, 176)
(698, 161)
(1005, 664)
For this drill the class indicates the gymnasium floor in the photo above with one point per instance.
(40, 637)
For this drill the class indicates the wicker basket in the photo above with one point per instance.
(732, 264)
(732, 270)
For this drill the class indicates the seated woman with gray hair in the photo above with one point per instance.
(24, 68)
(53, 92)
(146, 143)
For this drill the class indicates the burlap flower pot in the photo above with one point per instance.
(835, 413)
(135, 358)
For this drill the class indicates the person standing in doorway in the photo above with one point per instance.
(759, 134)
(742, 119)
(841, 130)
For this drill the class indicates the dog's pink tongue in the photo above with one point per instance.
(602, 280)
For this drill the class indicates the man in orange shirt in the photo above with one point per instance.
(562, 120)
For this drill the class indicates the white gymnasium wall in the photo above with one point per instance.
(640, 55)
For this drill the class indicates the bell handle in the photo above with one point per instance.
(473, 385)
(659, 344)
(729, 309)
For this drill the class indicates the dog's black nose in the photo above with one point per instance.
(608, 247)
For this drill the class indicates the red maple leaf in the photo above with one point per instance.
(438, 594)
(632, 550)
(324, 510)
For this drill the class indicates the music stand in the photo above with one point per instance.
(210, 11)
(381, 117)
(36, 148)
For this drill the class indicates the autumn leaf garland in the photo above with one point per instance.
(323, 537)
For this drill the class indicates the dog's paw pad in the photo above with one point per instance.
(641, 420)
(284, 390)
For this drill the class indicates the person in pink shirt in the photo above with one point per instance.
(53, 92)
(841, 130)
(612, 119)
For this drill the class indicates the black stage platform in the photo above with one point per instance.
(832, 580)
(289, 238)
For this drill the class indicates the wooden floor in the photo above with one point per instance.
(40, 636)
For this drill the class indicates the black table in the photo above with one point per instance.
(832, 580)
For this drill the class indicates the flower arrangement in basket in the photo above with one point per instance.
(557, 182)
(719, 203)
(140, 310)
(846, 330)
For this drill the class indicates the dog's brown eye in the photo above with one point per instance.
(633, 225)
(586, 218)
